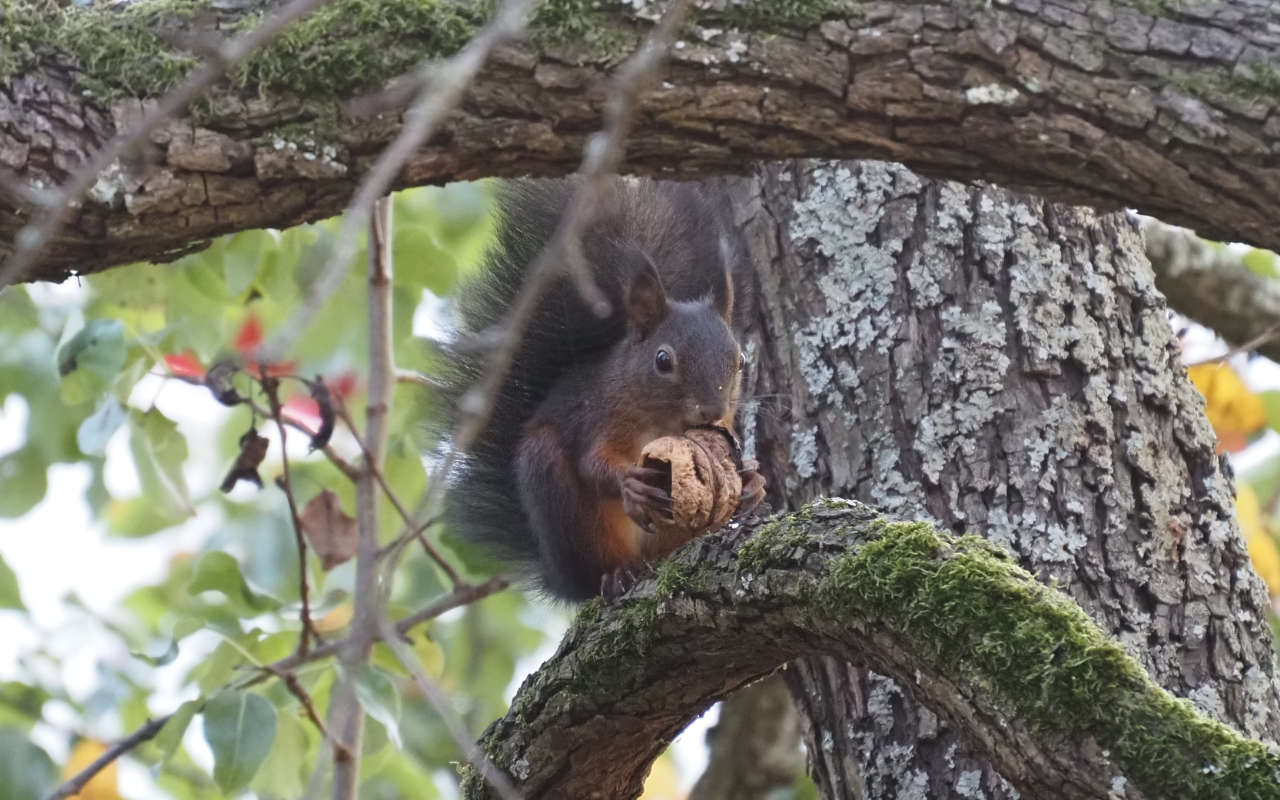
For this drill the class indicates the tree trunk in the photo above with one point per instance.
(1002, 366)
(1166, 107)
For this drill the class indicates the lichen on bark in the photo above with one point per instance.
(1018, 380)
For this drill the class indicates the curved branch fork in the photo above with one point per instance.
(1054, 702)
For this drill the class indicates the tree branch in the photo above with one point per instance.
(1114, 104)
(32, 238)
(1054, 702)
(1212, 286)
(145, 733)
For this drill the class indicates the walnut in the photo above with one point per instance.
(706, 486)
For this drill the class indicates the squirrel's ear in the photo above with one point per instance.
(722, 291)
(646, 300)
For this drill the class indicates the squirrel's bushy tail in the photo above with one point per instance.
(675, 223)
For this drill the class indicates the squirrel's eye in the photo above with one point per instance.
(663, 360)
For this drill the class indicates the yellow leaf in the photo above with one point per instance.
(663, 782)
(1234, 411)
(1262, 548)
(335, 620)
(104, 785)
(430, 655)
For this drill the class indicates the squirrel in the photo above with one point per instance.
(552, 483)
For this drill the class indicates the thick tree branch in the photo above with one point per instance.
(1214, 287)
(1167, 109)
(1055, 704)
(754, 748)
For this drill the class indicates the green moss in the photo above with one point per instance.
(344, 47)
(773, 14)
(589, 611)
(117, 51)
(1044, 661)
(674, 576)
(1249, 82)
(773, 541)
(580, 23)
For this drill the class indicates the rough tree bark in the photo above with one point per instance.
(1020, 668)
(1003, 366)
(754, 748)
(1166, 107)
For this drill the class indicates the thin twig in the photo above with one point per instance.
(408, 535)
(436, 697)
(271, 386)
(441, 87)
(461, 596)
(73, 786)
(295, 687)
(32, 239)
(412, 529)
(346, 714)
(344, 466)
(1269, 335)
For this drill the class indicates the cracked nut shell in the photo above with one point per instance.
(706, 486)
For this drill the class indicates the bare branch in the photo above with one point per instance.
(442, 87)
(413, 529)
(271, 386)
(32, 239)
(346, 714)
(1212, 285)
(145, 733)
(435, 696)
(294, 686)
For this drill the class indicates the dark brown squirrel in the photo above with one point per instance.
(552, 483)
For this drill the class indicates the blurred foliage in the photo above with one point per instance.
(104, 379)
(92, 374)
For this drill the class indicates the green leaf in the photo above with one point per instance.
(9, 595)
(26, 771)
(218, 668)
(1260, 262)
(159, 451)
(421, 261)
(203, 271)
(240, 728)
(23, 476)
(170, 736)
(377, 694)
(282, 773)
(219, 572)
(1271, 402)
(167, 657)
(17, 312)
(137, 517)
(244, 255)
(93, 433)
(91, 358)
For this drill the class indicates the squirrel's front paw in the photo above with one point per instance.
(752, 487)
(643, 499)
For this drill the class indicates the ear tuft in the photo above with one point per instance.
(646, 300)
(722, 290)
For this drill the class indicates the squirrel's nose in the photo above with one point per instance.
(702, 414)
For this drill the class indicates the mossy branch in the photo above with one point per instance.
(1103, 106)
(1056, 704)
